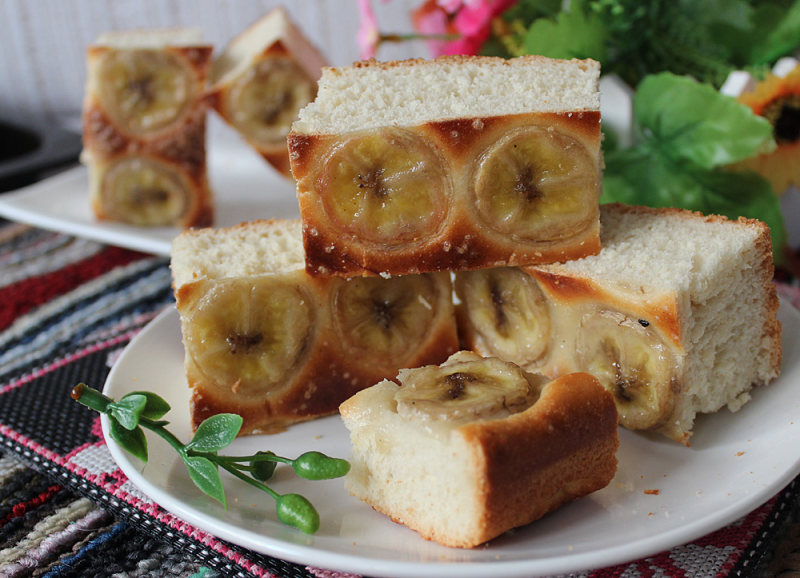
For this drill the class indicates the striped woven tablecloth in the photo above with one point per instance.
(69, 306)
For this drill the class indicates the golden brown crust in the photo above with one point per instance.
(562, 448)
(456, 59)
(326, 375)
(460, 240)
(279, 159)
(772, 327)
(572, 290)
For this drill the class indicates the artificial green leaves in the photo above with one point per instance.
(576, 33)
(705, 39)
(137, 411)
(688, 135)
(693, 122)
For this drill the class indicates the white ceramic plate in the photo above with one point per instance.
(663, 495)
(245, 187)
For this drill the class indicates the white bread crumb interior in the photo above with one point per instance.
(243, 250)
(151, 38)
(388, 449)
(719, 271)
(411, 92)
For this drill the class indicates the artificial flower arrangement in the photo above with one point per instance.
(693, 146)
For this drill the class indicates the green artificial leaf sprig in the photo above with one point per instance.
(141, 410)
(688, 137)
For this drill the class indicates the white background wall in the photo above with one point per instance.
(43, 42)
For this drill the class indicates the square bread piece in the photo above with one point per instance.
(267, 341)
(449, 164)
(144, 128)
(468, 450)
(676, 316)
(262, 79)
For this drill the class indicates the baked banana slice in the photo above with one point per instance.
(384, 187)
(145, 91)
(537, 183)
(386, 319)
(465, 388)
(144, 191)
(630, 360)
(261, 81)
(264, 101)
(146, 84)
(505, 312)
(246, 335)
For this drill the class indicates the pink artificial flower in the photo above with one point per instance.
(470, 20)
(368, 35)
(431, 19)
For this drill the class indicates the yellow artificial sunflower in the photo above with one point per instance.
(777, 99)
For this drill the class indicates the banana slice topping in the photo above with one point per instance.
(386, 186)
(265, 100)
(247, 334)
(385, 319)
(145, 91)
(536, 184)
(508, 311)
(145, 192)
(465, 390)
(631, 360)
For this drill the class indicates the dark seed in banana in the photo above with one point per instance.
(243, 342)
(456, 384)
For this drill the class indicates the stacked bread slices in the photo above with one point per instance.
(485, 171)
(145, 109)
(144, 128)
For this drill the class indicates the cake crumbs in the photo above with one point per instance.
(738, 454)
(653, 492)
